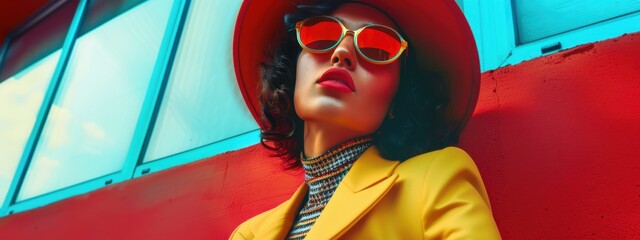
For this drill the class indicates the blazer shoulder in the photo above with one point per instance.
(456, 203)
(246, 229)
(448, 158)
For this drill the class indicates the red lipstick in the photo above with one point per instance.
(337, 79)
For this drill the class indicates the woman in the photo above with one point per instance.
(366, 96)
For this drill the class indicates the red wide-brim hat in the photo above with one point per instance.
(437, 30)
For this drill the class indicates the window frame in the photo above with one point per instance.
(25, 160)
(236, 142)
(143, 126)
(493, 25)
(239, 140)
(39, 16)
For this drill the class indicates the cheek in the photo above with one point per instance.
(306, 68)
(306, 71)
(376, 96)
(303, 70)
(383, 86)
(303, 67)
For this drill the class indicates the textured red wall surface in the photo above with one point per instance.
(556, 140)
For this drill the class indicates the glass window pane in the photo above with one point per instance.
(543, 18)
(39, 40)
(202, 103)
(20, 99)
(91, 123)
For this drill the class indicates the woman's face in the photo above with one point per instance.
(361, 107)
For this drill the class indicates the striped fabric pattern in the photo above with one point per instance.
(323, 174)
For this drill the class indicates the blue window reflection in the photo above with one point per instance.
(202, 103)
(20, 99)
(543, 18)
(91, 123)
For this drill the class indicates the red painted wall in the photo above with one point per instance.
(556, 140)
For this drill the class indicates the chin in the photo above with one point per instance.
(320, 105)
(325, 114)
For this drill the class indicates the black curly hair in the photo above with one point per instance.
(419, 106)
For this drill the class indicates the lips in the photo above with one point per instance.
(337, 79)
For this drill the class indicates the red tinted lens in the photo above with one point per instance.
(379, 43)
(320, 33)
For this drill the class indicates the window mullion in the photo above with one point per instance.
(36, 131)
(154, 95)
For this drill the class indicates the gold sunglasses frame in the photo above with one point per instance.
(403, 43)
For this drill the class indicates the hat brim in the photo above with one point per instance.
(437, 29)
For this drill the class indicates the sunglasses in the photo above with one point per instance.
(376, 43)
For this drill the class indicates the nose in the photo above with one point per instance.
(344, 55)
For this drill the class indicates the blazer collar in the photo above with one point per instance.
(278, 223)
(368, 180)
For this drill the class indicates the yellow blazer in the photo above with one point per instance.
(436, 195)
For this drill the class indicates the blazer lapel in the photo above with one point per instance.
(279, 221)
(369, 179)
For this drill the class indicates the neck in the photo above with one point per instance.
(320, 137)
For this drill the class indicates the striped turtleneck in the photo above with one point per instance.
(323, 174)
